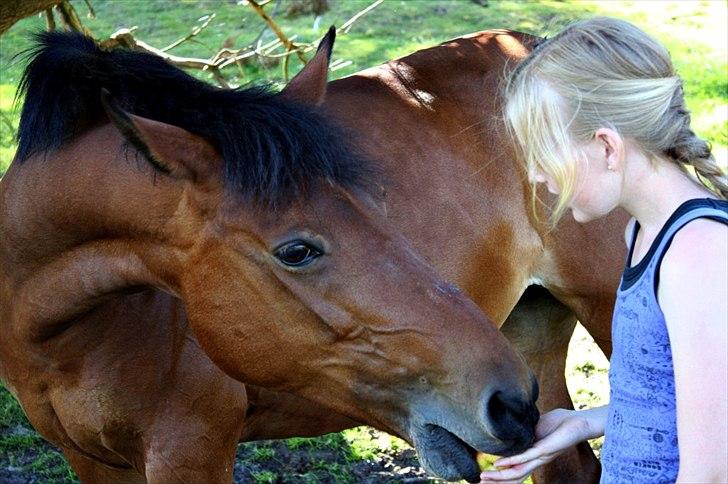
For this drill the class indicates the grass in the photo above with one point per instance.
(694, 32)
(23, 452)
(586, 375)
(8, 125)
(345, 457)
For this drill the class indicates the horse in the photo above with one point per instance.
(456, 190)
(452, 186)
(167, 243)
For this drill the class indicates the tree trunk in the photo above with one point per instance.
(303, 7)
(13, 10)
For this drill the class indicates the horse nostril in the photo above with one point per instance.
(500, 408)
(510, 415)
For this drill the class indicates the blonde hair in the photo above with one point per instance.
(601, 72)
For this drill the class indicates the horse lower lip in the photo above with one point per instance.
(446, 455)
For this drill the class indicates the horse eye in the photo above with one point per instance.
(297, 254)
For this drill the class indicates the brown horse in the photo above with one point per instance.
(128, 241)
(456, 190)
(120, 382)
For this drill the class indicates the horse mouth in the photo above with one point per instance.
(445, 455)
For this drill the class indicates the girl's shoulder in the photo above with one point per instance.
(696, 260)
(701, 239)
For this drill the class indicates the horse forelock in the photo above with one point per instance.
(272, 149)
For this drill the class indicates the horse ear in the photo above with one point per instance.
(170, 149)
(309, 85)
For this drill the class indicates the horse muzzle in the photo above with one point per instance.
(447, 440)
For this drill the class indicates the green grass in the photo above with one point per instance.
(586, 375)
(8, 125)
(263, 453)
(341, 457)
(693, 31)
(695, 34)
(264, 477)
(365, 444)
(23, 450)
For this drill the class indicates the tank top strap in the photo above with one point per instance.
(699, 212)
(696, 213)
(649, 266)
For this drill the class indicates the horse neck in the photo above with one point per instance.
(445, 104)
(79, 225)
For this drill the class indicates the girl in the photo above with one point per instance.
(599, 116)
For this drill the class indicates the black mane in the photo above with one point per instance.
(272, 149)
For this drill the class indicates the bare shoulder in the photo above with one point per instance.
(703, 241)
(694, 271)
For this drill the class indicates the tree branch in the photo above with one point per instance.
(225, 57)
(70, 18)
(290, 46)
(13, 10)
(124, 37)
(194, 32)
(91, 11)
(347, 25)
(50, 21)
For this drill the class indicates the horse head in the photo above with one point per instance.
(253, 209)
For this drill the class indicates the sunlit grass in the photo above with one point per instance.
(365, 444)
(694, 31)
(586, 375)
(695, 34)
(8, 126)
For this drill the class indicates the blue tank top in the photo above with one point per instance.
(640, 442)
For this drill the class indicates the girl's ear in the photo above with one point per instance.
(612, 147)
(169, 149)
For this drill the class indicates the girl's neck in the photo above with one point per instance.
(653, 190)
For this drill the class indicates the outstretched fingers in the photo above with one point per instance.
(536, 452)
(515, 474)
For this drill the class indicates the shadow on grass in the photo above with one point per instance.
(360, 455)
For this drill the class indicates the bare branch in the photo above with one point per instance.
(225, 56)
(274, 27)
(263, 3)
(124, 37)
(70, 18)
(215, 71)
(264, 51)
(286, 61)
(347, 25)
(91, 11)
(195, 31)
(262, 32)
(50, 20)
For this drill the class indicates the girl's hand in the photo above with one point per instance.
(556, 431)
